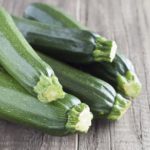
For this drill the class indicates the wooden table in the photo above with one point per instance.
(127, 22)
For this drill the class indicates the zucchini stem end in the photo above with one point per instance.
(120, 106)
(79, 118)
(129, 84)
(48, 89)
(105, 50)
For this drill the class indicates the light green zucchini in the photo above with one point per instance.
(61, 117)
(21, 62)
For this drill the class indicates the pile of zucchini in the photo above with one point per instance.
(34, 85)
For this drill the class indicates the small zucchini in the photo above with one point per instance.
(72, 45)
(120, 73)
(99, 95)
(21, 62)
(61, 117)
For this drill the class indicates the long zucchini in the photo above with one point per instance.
(61, 117)
(99, 95)
(53, 15)
(72, 45)
(120, 73)
(21, 62)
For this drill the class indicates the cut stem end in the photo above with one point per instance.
(49, 89)
(121, 105)
(79, 118)
(129, 85)
(105, 50)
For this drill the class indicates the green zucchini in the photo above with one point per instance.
(120, 73)
(61, 117)
(36, 11)
(72, 45)
(99, 95)
(21, 62)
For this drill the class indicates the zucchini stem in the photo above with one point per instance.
(105, 49)
(48, 89)
(79, 118)
(121, 105)
(129, 84)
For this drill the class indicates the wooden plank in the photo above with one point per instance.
(99, 136)
(124, 22)
(17, 137)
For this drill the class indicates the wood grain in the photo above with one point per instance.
(127, 22)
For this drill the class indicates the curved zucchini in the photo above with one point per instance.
(120, 73)
(28, 68)
(72, 45)
(61, 117)
(99, 95)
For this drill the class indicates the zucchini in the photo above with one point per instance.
(36, 11)
(61, 117)
(120, 73)
(28, 69)
(72, 45)
(99, 95)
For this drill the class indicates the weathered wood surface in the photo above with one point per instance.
(126, 21)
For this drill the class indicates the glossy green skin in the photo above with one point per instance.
(109, 71)
(16, 105)
(95, 92)
(36, 11)
(17, 56)
(72, 45)
(99, 95)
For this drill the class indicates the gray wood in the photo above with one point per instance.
(127, 22)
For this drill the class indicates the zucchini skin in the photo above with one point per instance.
(71, 45)
(16, 105)
(21, 61)
(120, 73)
(36, 11)
(53, 40)
(99, 95)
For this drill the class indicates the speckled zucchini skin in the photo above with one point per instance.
(22, 62)
(16, 105)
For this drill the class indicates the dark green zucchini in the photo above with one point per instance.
(61, 117)
(21, 62)
(120, 73)
(72, 45)
(99, 95)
